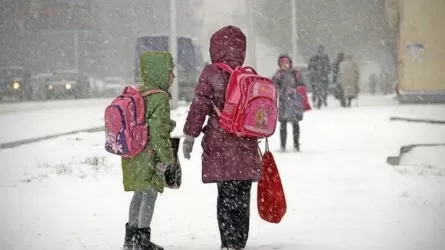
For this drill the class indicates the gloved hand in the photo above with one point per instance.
(187, 146)
(172, 125)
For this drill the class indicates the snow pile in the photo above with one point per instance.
(424, 161)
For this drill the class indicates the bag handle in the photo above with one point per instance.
(129, 89)
(247, 68)
(266, 148)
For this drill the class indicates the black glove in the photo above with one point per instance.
(172, 125)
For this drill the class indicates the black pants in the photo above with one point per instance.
(233, 212)
(319, 94)
(296, 132)
(343, 102)
(349, 101)
(324, 93)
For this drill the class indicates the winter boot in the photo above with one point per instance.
(143, 241)
(232, 248)
(130, 235)
(297, 147)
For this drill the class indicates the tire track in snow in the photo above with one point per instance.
(14, 144)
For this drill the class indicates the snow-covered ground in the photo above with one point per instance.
(29, 120)
(66, 193)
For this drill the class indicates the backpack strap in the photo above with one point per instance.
(224, 66)
(228, 69)
(153, 91)
(218, 112)
(247, 68)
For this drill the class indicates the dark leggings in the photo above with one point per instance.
(296, 133)
(349, 101)
(233, 212)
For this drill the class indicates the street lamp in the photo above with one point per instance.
(173, 42)
(294, 30)
(250, 33)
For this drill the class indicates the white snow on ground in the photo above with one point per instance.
(66, 193)
(434, 156)
(20, 121)
(14, 107)
(24, 121)
(424, 160)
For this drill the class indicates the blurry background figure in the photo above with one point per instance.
(372, 81)
(319, 68)
(338, 90)
(349, 77)
(385, 83)
(291, 107)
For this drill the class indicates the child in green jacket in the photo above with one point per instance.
(144, 173)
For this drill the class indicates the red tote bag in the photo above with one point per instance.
(271, 199)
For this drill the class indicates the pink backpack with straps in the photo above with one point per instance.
(126, 129)
(251, 104)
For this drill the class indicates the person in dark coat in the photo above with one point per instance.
(319, 68)
(230, 161)
(291, 103)
(336, 65)
(372, 81)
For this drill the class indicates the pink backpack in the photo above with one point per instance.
(126, 128)
(250, 107)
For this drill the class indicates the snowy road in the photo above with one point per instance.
(66, 193)
(19, 121)
(28, 120)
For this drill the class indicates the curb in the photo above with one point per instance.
(395, 160)
(18, 143)
(393, 118)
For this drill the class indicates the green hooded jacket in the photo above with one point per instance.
(139, 173)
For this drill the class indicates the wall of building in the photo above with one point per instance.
(422, 48)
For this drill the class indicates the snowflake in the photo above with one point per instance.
(115, 145)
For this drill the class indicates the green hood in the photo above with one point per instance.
(155, 69)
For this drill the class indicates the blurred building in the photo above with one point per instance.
(121, 22)
(61, 35)
(97, 37)
(12, 32)
(421, 50)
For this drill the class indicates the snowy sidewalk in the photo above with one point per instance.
(66, 193)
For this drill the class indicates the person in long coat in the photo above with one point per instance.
(230, 161)
(349, 76)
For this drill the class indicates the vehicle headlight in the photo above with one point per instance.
(16, 85)
(68, 86)
(50, 87)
